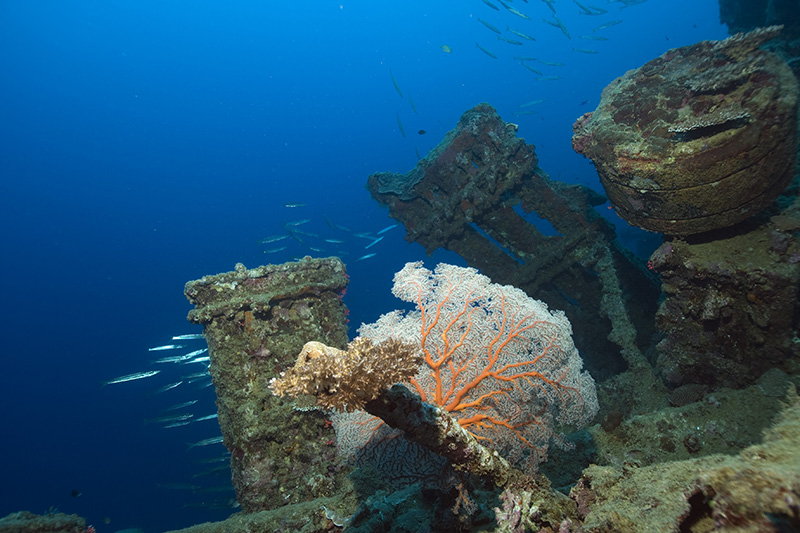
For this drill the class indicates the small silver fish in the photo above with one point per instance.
(396, 86)
(607, 25)
(298, 222)
(177, 424)
(166, 347)
(366, 257)
(206, 442)
(513, 11)
(373, 243)
(189, 337)
(485, 51)
(295, 205)
(413, 107)
(181, 405)
(509, 41)
(169, 419)
(539, 72)
(207, 417)
(172, 359)
(275, 250)
(273, 238)
(400, 124)
(497, 31)
(387, 228)
(132, 377)
(532, 102)
(170, 386)
(520, 34)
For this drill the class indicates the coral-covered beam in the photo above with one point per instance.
(440, 432)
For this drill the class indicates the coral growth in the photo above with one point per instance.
(344, 380)
(502, 364)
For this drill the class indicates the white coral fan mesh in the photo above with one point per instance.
(499, 361)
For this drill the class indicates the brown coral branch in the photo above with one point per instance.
(360, 377)
(344, 380)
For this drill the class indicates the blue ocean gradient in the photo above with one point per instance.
(144, 144)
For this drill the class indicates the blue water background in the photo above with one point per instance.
(147, 143)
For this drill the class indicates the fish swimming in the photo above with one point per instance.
(206, 442)
(298, 222)
(550, 5)
(177, 424)
(181, 405)
(520, 34)
(400, 124)
(275, 250)
(509, 41)
(485, 51)
(387, 228)
(513, 11)
(170, 386)
(165, 347)
(197, 375)
(396, 86)
(560, 25)
(367, 256)
(373, 243)
(169, 419)
(607, 25)
(132, 377)
(488, 3)
(269, 240)
(498, 32)
(590, 10)
(190, 336)
(173, 359)
(532, 102)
